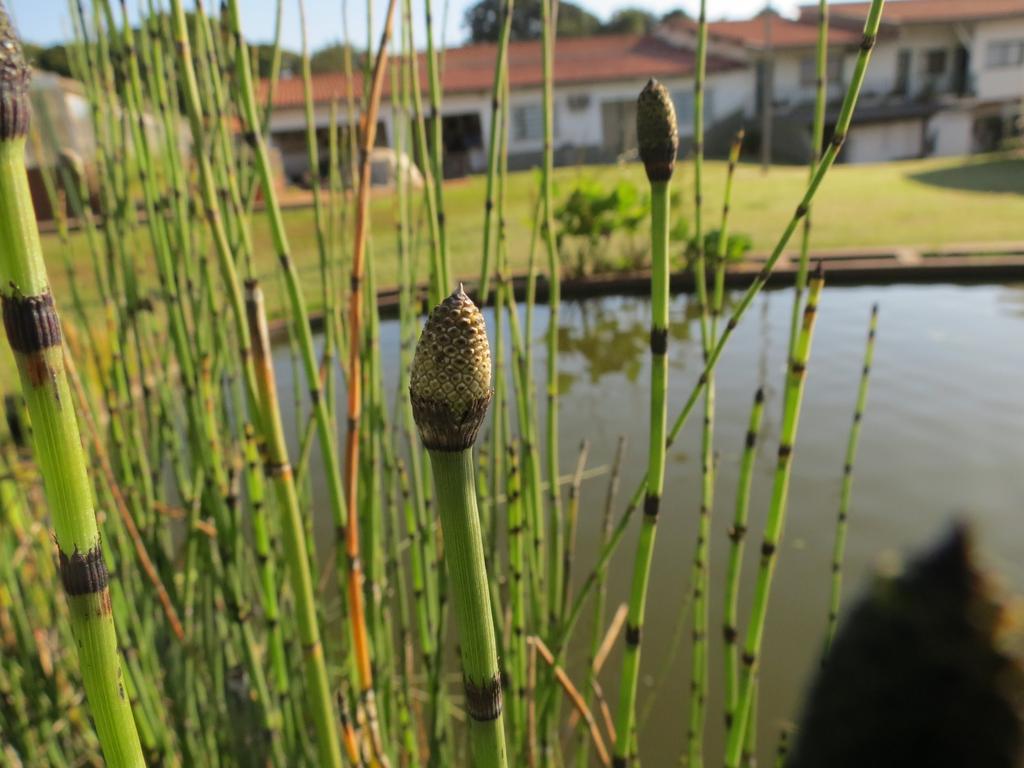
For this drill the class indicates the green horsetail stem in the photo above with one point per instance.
(33, 330)
(871, 26)
(817, 136)
(775, 522)
(450, 390)
(497, 123)
(847, 488)
(737, 534)
(597, 630)
(438, 268)
(658, 139)
(279, 470)
(782, 749)
(436, 154)
(555, 575)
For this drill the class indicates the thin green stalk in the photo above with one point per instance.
(436, 146)
(774, 524)
(516, 665)
(597, 632)
(319, 700)
(817, 137)
(555, 576)
(571, 523)
(493, 144)
(871, 26)
(700, 579)
(658, 139)
(839, 548)
(450, 389)
(838, 137)
(737, 534)
(438, 269)
(33, 330)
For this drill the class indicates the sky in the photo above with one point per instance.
(46, 21)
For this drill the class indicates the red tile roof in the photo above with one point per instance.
(768, 25)
(582, 60)
(925, 11)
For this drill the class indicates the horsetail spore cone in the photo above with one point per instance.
(450, 379)
(14, 80)
(658, 139)
(450, 389)
(33, 330)
(657, 132)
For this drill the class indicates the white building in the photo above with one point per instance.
(946, 78)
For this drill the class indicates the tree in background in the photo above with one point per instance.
(630, 21)
(291, 62)
(52, 59)
(677, 15)
(331, 58)
(483, 21)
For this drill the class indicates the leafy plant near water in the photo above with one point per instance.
(233, 652)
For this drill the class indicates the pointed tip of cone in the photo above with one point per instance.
(14, 79)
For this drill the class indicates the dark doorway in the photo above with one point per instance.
(961, 80)
(463, 144)
(618, 125)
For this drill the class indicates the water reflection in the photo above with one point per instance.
(942, 437)
(611, 336)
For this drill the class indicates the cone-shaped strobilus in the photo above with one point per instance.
(450, 389)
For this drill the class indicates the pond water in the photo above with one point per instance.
(942, 438)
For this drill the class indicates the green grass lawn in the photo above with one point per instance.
(921, 203)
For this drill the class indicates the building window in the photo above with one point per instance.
(902, 84)
(528, 122)
(683, 102)
(809, 69)
(935, 62)
(1004, 53)
(578, 101)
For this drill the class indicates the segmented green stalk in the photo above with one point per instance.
(871, 25)
(33, 330)
(438, 263)
(516, 665)
(450, 389)
(278, 468)
(555, 576)
(817, 137)
(698, 658)
(775, 522)
(737, 534)
(597, 632)
(571, 521)
(839, 548)
(782, 749)
(838, 137)
(493, 146)
(658, 139)
(436, 153)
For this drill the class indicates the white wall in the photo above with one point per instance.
(996, 83)
(787, 85)
(950, 133)
(881, 142)
(919, 40)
